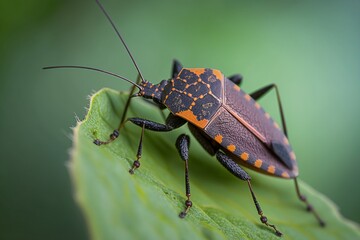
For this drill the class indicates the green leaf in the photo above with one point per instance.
(146, 205)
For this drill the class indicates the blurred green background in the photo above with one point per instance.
(310, 49)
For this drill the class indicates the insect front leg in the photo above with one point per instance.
(176, 68)
(172, 122)
(182, 145)
(238, 172)
(115, 134)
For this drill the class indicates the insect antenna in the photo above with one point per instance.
(97, 70)
(120, 37)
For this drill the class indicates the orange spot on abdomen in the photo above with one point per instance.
(219, 138)
(271, 169)
(231, 148)
(244, 156)
(285, 175)
(258, 163)
(236, 88)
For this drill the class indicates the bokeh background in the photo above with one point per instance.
(310, 49)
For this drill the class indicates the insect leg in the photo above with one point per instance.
(172, 122)
(237, 79)
(127, 104)
(115, 134)
(236, 170)
(136, 163)
(176, 68)
(309, 207)
(182, 145)
(259, 93)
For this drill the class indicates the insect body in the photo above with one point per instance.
(225, 114)
(227, 122)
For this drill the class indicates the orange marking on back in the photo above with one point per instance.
(231, 148)
(244, 156)
(197, 71)
(286, 141)
(285, 175)
(271, 169)
(276, 125)
(267, 115)
(236, 88)
(258, 163)
(219, 138)
(247, 97)
(257, 105)
(218, 74)
(292, 155)
(189, 115)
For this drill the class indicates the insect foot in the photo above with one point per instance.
(135, 166)
(112, 137)
(264, 220)
(309, 207)
(188, 204)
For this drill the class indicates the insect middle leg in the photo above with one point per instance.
(172, 122)
(182, 145)
(238, 172)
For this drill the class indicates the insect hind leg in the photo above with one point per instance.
(237, 171)
(309, 207)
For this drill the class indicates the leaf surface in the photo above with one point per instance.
(117, 205)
